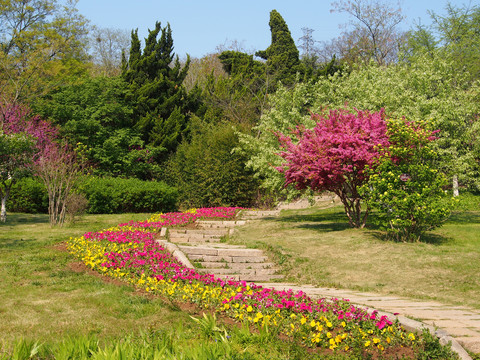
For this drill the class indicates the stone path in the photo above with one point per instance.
(202, 249)
(457, 324)
(202, 246)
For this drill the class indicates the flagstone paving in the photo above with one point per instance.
(459, 324)
(455, 324)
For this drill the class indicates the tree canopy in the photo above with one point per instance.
(282, 55)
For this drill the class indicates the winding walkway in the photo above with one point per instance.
(457, 324)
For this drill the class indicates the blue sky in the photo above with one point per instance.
(198, 27)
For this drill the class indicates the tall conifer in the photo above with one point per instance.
(156, 88)
(282, 55)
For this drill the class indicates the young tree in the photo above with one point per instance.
(404, 184)
(333, 156)
(59, 169)
(16, 151)
(282, 55)
(41, 45)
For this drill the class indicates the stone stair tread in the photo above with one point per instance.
(251, 278)
(199, 231)
(204, 250)
(228, 259)
(219, 223)
(183, 240)
(221, 271)
(218, 246)
(216, 265)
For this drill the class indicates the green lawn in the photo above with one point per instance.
(46, 300)
(316, 246)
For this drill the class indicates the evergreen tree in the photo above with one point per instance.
(156, 85)
(282, 55)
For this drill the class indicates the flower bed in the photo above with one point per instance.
(130, 252)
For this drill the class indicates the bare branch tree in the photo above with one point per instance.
(374, 31)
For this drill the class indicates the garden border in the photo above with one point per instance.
(407, 323)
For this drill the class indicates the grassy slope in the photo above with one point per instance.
(44, 299)
(41, 296)
(316, 246)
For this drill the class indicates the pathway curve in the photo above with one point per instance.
(455, 323)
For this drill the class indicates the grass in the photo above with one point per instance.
(42, 294)
(50, 306)
(316, 246)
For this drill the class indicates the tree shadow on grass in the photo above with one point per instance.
(428, 238)
(16, 244)
(322, 221)
(464, 217)
(22, 219)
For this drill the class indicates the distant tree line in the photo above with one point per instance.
(133, 109)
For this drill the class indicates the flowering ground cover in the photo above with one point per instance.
(129, 252)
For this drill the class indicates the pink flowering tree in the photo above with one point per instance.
(53, 162)
(333, 155)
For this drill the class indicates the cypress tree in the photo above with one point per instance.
(282, 55)
(155, 81)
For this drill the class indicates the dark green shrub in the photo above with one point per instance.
(208, 173)
(28, 195)
(117, 195)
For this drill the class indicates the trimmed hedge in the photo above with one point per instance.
(115, 195)
(28, 195)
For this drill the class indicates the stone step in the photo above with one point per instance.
(238, 271)
(223, 265)
(228, 259)
(214, 224)
(193, 235)
(203, 250)
(189, 240)
(218, 232)
(258, 214)
(251, 278)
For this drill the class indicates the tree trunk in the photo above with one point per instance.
(455, 185)
(3, 212)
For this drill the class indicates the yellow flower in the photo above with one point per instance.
(249, 308)
(376, 340)
(367, 343)
(303, 320)
(411, 336)
(312, 324)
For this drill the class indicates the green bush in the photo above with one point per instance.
(405, 187)
(117, 195)
(208, 172)
(28, 195)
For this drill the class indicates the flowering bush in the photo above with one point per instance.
(405, 185)
(333, 156)
(130, 252)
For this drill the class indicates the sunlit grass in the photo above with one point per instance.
(47, 300)
(316, 246)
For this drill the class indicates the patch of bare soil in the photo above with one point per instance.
(61, 246)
